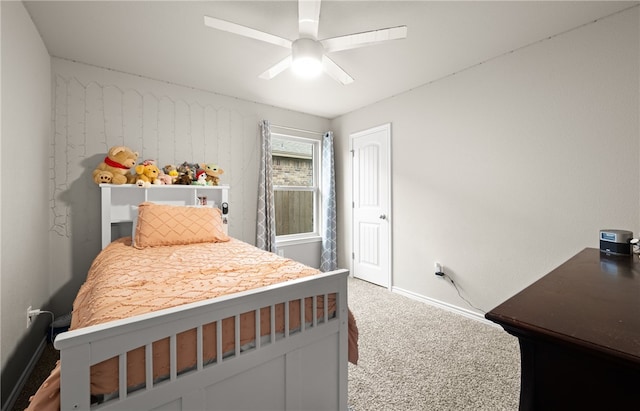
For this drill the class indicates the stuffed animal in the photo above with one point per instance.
(171, 171)
(213, 173)
(146, 173)
(115, 166)
(201, 179)
(165, 179)
(186, 173)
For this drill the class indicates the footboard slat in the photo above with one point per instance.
(302, 316)
(199, 345)
(173, 357)
(148, 362)
(315, 310)
(286, 319)
(273, 324)
(258, 331)
(122, 371)
(322, 340)
(219, 341)
(236, 349)
(325, 317)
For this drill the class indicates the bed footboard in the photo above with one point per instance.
(301, 368)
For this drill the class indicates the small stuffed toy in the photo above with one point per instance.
(201, 179)
(171, 171)
(213, 173)
(115, 166)
(165, 179)
(146, 173)
(186, 173)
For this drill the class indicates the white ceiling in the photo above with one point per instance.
(168, 41)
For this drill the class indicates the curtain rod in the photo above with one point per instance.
(298, 129)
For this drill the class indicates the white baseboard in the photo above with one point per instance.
(445, 306)
(17, 389)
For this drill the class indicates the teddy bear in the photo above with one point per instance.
(213, 173)
(146, 173)
(115, 166)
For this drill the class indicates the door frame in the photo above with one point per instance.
(387, 128)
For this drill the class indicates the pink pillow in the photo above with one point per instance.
(160, 224)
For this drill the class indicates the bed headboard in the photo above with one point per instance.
(116, 202)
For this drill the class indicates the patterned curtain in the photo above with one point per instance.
(266, 220)
(329, 257)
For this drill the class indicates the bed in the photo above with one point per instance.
(199, 320)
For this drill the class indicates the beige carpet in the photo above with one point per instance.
(414, 356)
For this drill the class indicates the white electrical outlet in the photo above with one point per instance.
(29, 318)
(438, 267)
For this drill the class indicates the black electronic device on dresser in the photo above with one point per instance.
(616, 242)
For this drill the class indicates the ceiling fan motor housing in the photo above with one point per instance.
(307, 56)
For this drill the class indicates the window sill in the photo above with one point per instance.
(295, 240)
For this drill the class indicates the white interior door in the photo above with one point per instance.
(371, 251)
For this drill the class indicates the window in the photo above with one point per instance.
(296, 167)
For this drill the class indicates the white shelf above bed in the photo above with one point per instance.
(116, 201)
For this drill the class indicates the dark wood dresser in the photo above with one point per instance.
(579, 334)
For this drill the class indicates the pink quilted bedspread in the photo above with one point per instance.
(124, 282)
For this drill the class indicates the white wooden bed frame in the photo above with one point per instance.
(304, 369)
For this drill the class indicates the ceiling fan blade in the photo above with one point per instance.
(368, 38)
(309, 18)
(246, 31)
(276, 69)
(335, 72)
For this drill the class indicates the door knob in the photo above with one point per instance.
(383, 216)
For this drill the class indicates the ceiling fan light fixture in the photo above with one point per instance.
(306, 57)
(306, 67)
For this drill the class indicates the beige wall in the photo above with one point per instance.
(503, 171)
(26, 129)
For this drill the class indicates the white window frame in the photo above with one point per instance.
(300, 238)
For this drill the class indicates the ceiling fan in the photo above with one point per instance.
(308, 54)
